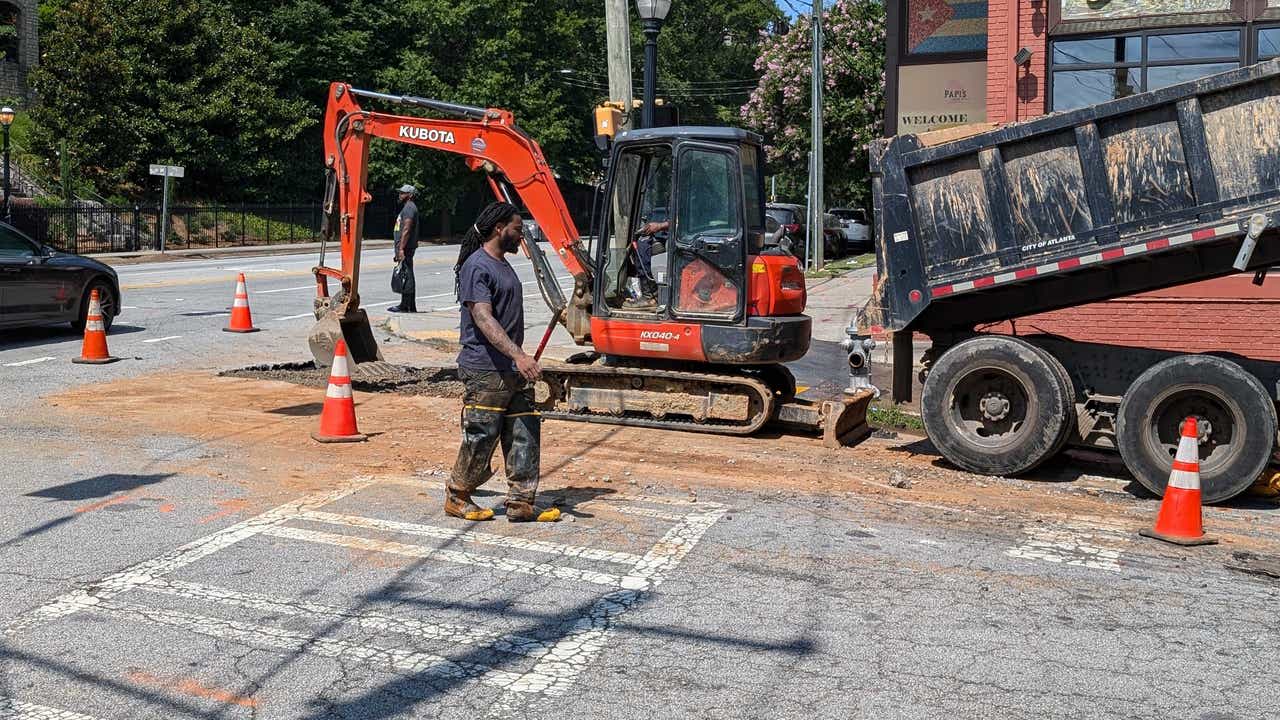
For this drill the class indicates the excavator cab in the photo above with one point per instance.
(679, 248)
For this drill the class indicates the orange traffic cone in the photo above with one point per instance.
(338, 419)
(241, 318)
(94, 350)
(1179, 520)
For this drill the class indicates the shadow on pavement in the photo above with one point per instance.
(98, 486)
(35, 336)
(303, 410)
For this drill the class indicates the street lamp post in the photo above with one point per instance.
(6, 119)
(652, 13)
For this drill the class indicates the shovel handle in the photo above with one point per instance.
(555, 318)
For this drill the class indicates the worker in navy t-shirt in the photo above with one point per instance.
(497, 405)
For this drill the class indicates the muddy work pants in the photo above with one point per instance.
(497, 407)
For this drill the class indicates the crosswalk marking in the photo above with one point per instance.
(545, 570)
(11, 709)
(421, 664)
(472, 536)
(368, 620)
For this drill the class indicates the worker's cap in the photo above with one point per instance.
(409, 189)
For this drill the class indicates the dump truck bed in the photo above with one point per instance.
(1140, 193)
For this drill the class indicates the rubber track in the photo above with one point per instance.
(722, 427)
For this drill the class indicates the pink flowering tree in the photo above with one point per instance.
(853, 101)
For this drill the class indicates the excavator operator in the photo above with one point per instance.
(655, 203)
(497, 405)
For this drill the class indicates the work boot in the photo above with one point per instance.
(527, 512)
(460, 506)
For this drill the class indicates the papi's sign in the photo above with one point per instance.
(932, 97)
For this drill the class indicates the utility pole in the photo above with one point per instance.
(816, 209)
(618, 22)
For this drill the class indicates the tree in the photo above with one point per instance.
(853, 100)
(706, 57)
(131, 82)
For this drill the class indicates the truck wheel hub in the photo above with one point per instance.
(995, 406)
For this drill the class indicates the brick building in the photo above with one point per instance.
(954, 62)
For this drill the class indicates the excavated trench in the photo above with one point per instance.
(429, 381)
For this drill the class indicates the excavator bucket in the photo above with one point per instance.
(362, 349)
(841, 422)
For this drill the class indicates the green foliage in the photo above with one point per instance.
(892, 417)
(842, 266)
(235, 89)
(853, 101)
(132, 82)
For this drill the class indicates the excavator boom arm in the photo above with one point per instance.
(489, 140)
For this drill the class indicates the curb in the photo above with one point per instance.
(131, 258)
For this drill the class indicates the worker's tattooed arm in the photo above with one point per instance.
(482, 314)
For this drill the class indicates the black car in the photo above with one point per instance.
(40, 285)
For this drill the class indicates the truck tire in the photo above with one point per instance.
(1236, 419)
(1068, 389)
(997, 405)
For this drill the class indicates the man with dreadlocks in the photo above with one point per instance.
(497, 405)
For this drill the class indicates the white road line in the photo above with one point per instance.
(280, 290)
(162, 339)
(556, 673)
(11, 709)
(148, 570)
(295, 317)
(411, 627)
(32, 361)
(1082, 541)
(660, 500)
(420, 664)
(429, 297)
(128, 307)
(543, 570)
(644, 512)
(472, 536)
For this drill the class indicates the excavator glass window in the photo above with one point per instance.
(708, 264)
(634, 268)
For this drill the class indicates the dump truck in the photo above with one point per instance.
(1150, 191)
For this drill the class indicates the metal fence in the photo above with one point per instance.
(91, 228)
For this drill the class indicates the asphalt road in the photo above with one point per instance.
(130, 593)
(173, 313)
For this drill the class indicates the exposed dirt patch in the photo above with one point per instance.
(430, 381)
(265, 425)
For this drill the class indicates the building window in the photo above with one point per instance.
(1086, 71)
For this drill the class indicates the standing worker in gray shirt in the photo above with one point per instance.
(497, 405)
(405, 235)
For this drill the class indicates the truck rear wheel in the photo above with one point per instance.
(997, 405)
(1235, 416)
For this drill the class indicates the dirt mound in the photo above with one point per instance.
(429, 381)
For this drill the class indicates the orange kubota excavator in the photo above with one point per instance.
(703, 351)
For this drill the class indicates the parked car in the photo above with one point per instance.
(784, 226)
(39, 285)
(857, 229)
